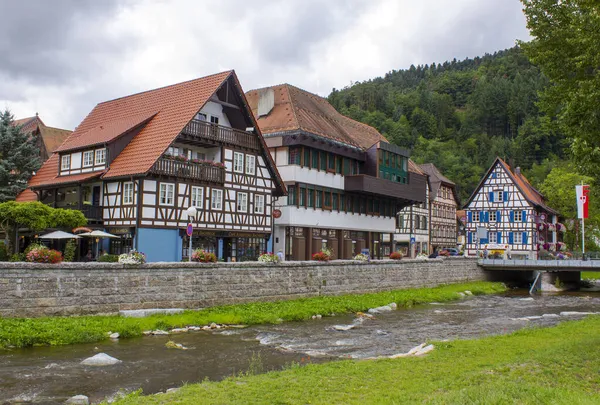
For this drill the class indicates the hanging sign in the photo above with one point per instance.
(583, 201)
(276, 214)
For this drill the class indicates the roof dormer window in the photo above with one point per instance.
(101, 156)
(65, 162)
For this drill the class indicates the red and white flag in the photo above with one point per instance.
(583, 201)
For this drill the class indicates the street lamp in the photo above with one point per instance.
(191, 213)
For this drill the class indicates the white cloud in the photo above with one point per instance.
(315, 45)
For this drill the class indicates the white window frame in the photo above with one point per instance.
(498, 195)
(100, 156)
(492, 237)
(259, 208)
(89, 161)
(216, 199)
(250, 168)
(518, 216)
(201, 117)
(197, 197)
(238, 165)
(65, 162)
(476, 216)
(128, 192)
(241, 202)
(517, 238)
(164, 190)
(493, 216)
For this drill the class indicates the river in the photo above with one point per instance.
(50, 375)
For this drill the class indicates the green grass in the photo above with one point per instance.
(558, 365)
(590, 275)
(25, 332)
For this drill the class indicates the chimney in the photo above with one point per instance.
(518, 171)
(266, 101)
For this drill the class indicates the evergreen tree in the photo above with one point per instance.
(19, 158)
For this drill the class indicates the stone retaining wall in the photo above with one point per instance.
(29, 289)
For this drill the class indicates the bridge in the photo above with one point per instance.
(541, 273)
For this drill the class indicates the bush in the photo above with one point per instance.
(3, 252)
(70, 251)
(396, 256)
(321, 257)
(203, 256)
(18, 257)
(34, 245)
(133, 257)
(109, 258)
(268, 258)
(44, 255)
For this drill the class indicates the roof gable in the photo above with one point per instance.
(298, 110)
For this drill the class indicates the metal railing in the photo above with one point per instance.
(207, 131)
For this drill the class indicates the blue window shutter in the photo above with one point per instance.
(524, 215)
(510, 238)
(469, 217)
(499, 237)
(470, 236)
(512, 216)
(486, 217)
(483, 241)
(498, 216)
(491, 196)
(505, 199)
(524, 238)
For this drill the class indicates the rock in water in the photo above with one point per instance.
(526, 299)
(425, 350)
(462, 294)
(78, 400)
(101, 359)
(343, 327)
(378, 310)
(468, 292)
(114, 335)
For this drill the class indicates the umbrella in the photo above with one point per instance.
(98, 234)
(58, 235)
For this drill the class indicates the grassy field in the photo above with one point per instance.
(25, 332)
(556, 365)
(590, 275)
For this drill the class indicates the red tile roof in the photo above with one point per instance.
(298, 110)
(26, 196)
(53, 137)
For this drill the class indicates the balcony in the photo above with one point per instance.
(211, 134)
(198, 171)
(411, 193)
(92, 212)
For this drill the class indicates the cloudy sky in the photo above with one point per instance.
(62, 57)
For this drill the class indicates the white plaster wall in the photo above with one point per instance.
(295, 173)
(308, 217)
(76, 160)
(215, 110)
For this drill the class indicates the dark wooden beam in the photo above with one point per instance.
(224, 103)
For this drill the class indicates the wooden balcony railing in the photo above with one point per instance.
(93, 212)
(203, 130)
(189, 170)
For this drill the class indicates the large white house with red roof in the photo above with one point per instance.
(510, 212)
(136, 163)
(345, 182)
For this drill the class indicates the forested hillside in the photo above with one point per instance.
(460, 115)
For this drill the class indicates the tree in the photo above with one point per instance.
(19, 158)
(36, 217)
(565, 47)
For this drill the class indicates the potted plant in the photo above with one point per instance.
(202, 256)
(268, 258)
(395, 255)
(361, 257)
(133, 257)
(323, 256)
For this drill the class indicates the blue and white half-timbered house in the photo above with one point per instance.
(509, 212)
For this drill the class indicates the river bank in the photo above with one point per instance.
(27, 332)
(555, 365)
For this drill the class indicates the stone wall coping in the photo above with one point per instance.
(194, 265)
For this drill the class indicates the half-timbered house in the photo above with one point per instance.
(136, 163)
(346, 183)
(509, 212)
(443, 202)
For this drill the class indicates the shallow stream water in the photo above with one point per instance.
(50, 375)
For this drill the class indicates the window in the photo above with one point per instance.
(250, 164)
(100, 156)
(216, 200)
(167, 191)
(201, 117)
(259, 204)
(323, 161)
(518, 216)
(128, 192)
(499, 196)
(65, 162)
(493, 216)
(311, 198)
(238, 162)
(306, 160)
(173, 151)
(88, 158)
(424, 222)
(292, 195)
(492, 237)
(518, 238)
(315, 159)
(197, 197)
(335, 201)
(214, 120)
(475, 216)
(331, 162)
(338, 165)
(302, 197)
(294, 155)
(242, 202)
(319, 199)
(327, 200)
